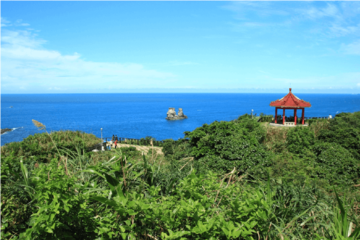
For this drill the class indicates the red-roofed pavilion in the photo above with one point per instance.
(290, 101)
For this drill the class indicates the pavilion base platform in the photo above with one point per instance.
(288, 124)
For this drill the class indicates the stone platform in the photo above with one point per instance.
(288, 124)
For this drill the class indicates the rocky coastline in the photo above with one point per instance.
(5, 130)
(171, 114)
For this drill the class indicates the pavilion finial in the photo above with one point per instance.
(289, 89)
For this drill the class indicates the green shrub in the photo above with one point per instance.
(344, 130)
(299, 139)
(62, 208)
(295, 168)
(180, 148)
(168, 147)
(266, 118)
(15, 214)
(40, 148)
(130, 152)
(336, 164)
(221, 146)
(318, 125)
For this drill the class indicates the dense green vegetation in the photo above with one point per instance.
(228, 180)
(223, 146)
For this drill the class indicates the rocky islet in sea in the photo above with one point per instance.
(5, 130)
(171, 114)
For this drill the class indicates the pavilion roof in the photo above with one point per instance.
(290, 101)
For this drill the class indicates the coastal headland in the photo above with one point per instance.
(5, 130)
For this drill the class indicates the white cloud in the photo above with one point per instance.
(315, 13)
(19, 23)
(334, 19)
(285, 7)
(20, 52)
(338, 81)
(262, 9)
(20, 38)
(352, 48)
(236, 6)
(26, 64)
(4, 22)
(340, 30)
(179, 63)
(350, 8)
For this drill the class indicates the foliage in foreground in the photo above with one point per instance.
(226, 180)
(121, 203)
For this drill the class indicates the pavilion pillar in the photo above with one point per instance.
(295, 116)
(283, 116)
(275, 114)
(302, 116)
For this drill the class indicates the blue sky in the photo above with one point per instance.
(110, 47)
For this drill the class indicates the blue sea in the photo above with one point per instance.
(134, 115)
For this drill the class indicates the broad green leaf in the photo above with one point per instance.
(105, 201)
(111, 180)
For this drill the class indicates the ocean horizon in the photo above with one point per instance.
(137, 115)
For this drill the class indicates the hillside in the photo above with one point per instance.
(225, 180)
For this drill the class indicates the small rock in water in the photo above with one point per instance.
(171, 114)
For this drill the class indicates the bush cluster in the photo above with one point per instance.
(223, 146)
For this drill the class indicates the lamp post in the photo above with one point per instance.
(252, 111)
(102, 143)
